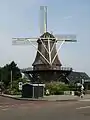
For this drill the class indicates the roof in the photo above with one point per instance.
(47, 34)
(78, 76)
(26, 69)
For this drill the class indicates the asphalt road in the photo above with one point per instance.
(24, 110)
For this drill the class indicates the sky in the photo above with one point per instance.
(20, 18)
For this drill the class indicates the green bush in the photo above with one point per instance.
(57, 88)
(72, 87)
(15, 87)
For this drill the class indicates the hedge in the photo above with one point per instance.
(58, 88)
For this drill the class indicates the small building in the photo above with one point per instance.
(33, 90)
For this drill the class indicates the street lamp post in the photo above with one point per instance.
(11, 79)
(38, 85)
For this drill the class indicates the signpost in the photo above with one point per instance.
(82, 81)
(20, 85)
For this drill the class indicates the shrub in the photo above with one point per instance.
(72, 87)
(15, 87)
(57, 88)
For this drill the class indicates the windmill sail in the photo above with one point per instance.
(43, 19)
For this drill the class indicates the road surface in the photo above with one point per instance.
(24, 110)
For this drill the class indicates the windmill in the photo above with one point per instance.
(46, 62)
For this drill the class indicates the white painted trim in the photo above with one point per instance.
(49, 51)
(35, 84)
(57, 51)
(38, 85)
(44, 45)
(41, 54)
(53, 46)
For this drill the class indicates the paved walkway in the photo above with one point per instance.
(61, 97)
(52, 97)
(65, 97)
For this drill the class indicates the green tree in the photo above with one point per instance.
(5, 73)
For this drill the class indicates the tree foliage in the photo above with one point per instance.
(58, 88)
(5, 73)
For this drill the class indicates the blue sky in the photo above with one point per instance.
(20, 18)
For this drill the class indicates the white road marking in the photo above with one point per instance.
(4, 103)
(83, 107)
(5, 109)
(1, 106)
(86, 100)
